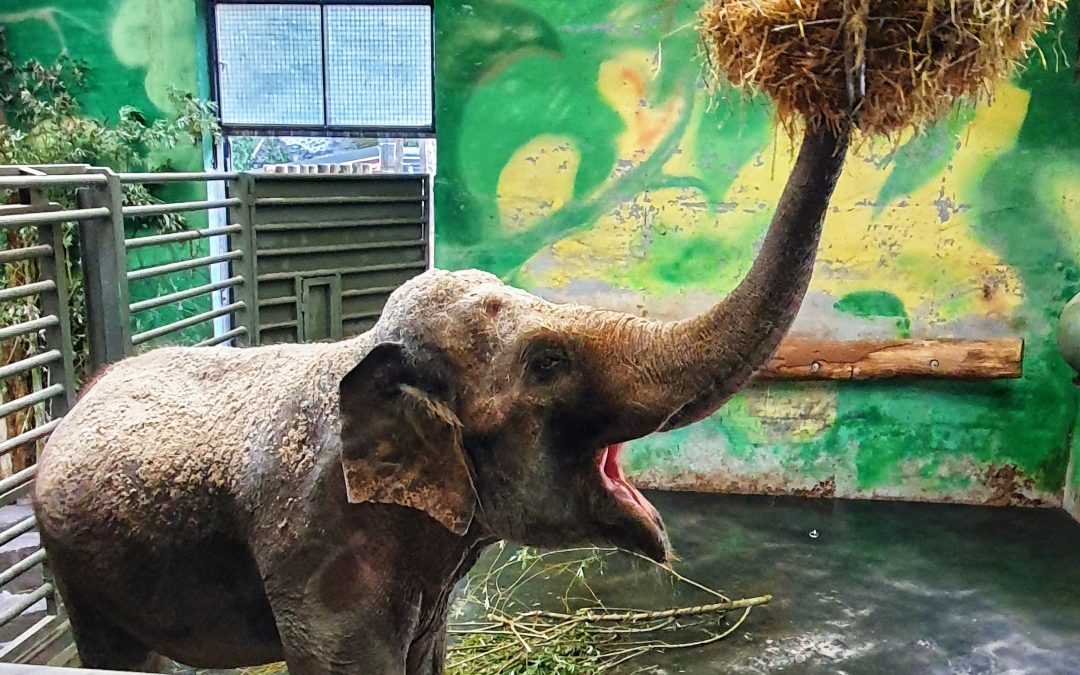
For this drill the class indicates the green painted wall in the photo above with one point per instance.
(580, 157)
(137, 50)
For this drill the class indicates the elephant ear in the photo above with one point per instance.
(400, 441)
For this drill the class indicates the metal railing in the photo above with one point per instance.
(109, 278)
(37, 377)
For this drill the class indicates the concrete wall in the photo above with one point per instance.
(581, 158)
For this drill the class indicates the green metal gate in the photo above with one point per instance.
(38, 381)
(329, 248)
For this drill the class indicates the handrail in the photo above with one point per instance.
(61, 216)
(179, 237)
(169, 268)
(176, 177)
(48, 180)
(178, 207)
(154, 333)
(13, 255)
(185, 294)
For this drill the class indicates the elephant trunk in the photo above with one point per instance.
(695, 365)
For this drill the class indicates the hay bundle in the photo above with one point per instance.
(906, 62)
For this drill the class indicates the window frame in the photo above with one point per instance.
(325, 129)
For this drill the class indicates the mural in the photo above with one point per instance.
(137, 52)
(582, 157)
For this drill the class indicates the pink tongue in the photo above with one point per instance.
(616, 482)
(611, 462)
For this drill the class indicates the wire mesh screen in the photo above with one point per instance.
(270, 64)
(379, 65)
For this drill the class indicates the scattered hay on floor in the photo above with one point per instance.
(586, 636)
(272, 669)
(909, 61)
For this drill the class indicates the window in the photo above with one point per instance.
(324, 68)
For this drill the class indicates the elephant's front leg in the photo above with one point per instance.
(345, 619)
(427, 654)
(320, 642)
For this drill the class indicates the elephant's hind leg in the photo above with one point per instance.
(104, 645)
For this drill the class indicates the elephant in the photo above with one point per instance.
(316, 503)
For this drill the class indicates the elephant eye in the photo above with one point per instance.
(549, 362)
(546, 365)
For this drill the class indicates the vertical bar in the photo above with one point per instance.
(429, 217)
(218, 245)
(337, 322)
(300, 291)
(247, 265)
(104, 263)
(57, 337)
(325, 67)
(434, 88)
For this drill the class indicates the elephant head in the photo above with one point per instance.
(484, 403)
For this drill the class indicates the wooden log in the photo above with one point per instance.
(807, 359)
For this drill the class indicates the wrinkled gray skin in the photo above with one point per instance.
(316, 503)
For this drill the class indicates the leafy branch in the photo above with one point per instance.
(513, 637)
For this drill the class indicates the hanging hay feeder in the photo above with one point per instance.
(906, 62)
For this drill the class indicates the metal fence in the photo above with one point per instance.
(273, 258)
(112, 268)
(39, 377)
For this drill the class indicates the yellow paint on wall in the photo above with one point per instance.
(1061, 196)
(920, 246)
(801, 414)
(537, 181)
(623, 83)
(613, 238)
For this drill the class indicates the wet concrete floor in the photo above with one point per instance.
(868, 587)
(884, 587)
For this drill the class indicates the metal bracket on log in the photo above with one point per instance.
(953, 359)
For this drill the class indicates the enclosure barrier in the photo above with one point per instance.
(319, 254)
(107, 252)
(330, 248)
(38, 374)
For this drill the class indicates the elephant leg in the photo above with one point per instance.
(335, 627)
(102, 644)
(318, 643)
(427, 654)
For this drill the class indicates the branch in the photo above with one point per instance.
(593, 617)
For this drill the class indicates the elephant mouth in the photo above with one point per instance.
(615, 483)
